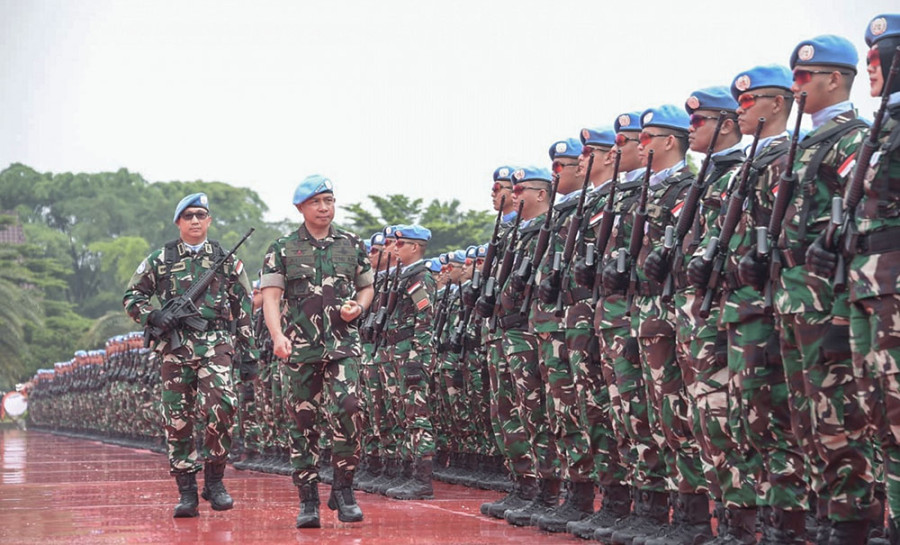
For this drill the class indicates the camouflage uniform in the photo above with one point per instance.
(202, 365)
(321, 374)
(815, 336)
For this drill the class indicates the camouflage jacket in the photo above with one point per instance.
(408, 328)
(510, 299)
(876, 273)
(798, 289)
(543, 317)
(226, 299)
(317, 277)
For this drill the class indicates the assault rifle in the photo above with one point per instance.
(487, 268)
(367, 331)
(571, 237)
(637, 233)
(718, 251)
(441, 316)
(688, 213)
(496, 282)
(384, 313)
(606, 224)
(543, 242)
(184, 307)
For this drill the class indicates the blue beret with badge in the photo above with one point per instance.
(434, 264)
(503, 173)
(716, 98)
(568, 148)
(444, 258)
(881, 27)
(600, 137)
(472, 252)
(828, 49)
(531, 174)
(194, 200)
(389, 231)
(412, 232)
(481, 253)
(758, 77)
(376, 240)
(311, 186)
(629, 121)
(666, 116)
(456, 256)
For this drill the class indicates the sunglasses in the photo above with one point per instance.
(621, 139)
(401, 243)
(498, 187)
(189, 216)
(588, 150)
(873, 58)
(519, 189)
(469, 261)
(558, 166)
(698, 120)
(803, 76)
(646, 137)
(388, 242)
(747, 100)
(374, 250)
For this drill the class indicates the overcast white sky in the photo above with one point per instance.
(414, 97)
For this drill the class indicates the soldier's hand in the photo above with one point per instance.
(584, 274)
(350, 310)
(281, 346)
(518, 281)
(163, 319)
(751, 270)
(484, 306)
(612, 279)
(249, 368)
(469, 296)
(698, 272)
(548, 291)
(819, 260)
(655, 267)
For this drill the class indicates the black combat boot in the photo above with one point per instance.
(188, 502)
(309, 506)
(651, 512)
(546, 499)
(388, 472)
(419, 487)
(616, 505)
(739, 527)
(524, 490)
(579, 505)
(374, 467)
(213, 489)
(326, 471)
(403, 474)
(851, 531)
(690, 522)
(785, 528)
(342, 499)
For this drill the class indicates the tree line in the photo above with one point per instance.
(86, 233)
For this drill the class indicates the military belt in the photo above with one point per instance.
(879, 242)
(511, 321)
(570, 297)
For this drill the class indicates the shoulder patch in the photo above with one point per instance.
(141, 268)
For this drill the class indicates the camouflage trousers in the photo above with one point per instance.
(476, 382)
(452, 406)
(631, 412)
(875, 339)
(509, 432)
(372, 408)
(758, 381)
(317, 392)
(248, 415)
(390, 424)
(593, 396)
(838, 435)
(205, 380)
(415, 395)
(521, 353)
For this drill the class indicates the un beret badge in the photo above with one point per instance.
(878, 26)
(693, 102)
(624, 120)
(561, 147)
(806, 52)
(204, 201)
(503, 173)
(742, 83)
(585, 134)
(648, 117)
(519, 174)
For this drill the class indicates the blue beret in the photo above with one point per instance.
(629, 121)
(434, 264)
(770, 75)
(472, 252)
(457, 256)
(389, 231)
(80, 353)
(528, 174)
(482, 251)
(195, 200)
(881, 27)
(377, 239)
(711, 98)
(311, 186)
(444, 258)
(503, 173)
(666, 116)
(598, 137)
(570, 148)
(827, 49)
(412, 232)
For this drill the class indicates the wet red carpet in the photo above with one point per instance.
(61, 490)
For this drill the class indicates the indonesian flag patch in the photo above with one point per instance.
(596, 218)
(419, 295)
(677, 209)
(847, 166)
